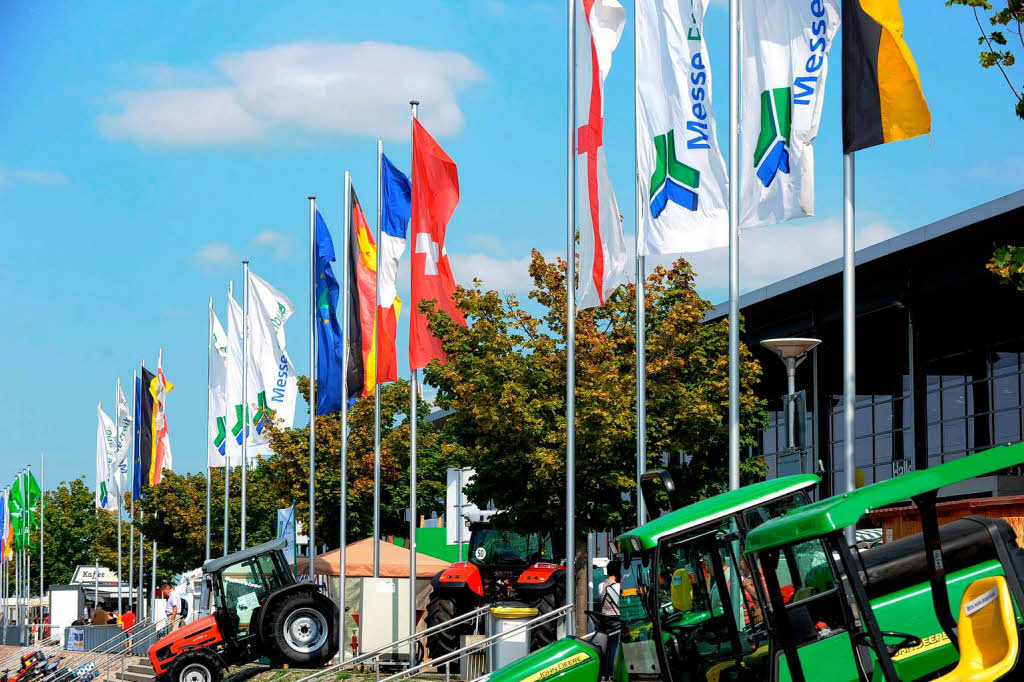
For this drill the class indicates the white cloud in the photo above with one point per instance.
(214, 256)
(300, 89)
(279, 243)
(45, 178)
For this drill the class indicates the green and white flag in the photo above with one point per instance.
(217, 396)
(106, 462)
(277, 387)
(124, 422)
(235, 407)
(682, 176)
(784, 63)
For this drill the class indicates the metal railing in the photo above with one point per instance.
(475, 647)
(375, 655)
(111, 654)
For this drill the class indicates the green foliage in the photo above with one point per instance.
(1007, 263)
(1012, 18)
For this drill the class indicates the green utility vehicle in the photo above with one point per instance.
(851, 621)
(695, 607)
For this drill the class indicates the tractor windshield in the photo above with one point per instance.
(505, 547)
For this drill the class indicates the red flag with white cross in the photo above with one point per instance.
(435, 194)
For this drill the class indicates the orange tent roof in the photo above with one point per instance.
(394, 562)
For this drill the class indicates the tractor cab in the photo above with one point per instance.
(942, 604)
(252, 607)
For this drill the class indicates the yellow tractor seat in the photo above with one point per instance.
(988, 633)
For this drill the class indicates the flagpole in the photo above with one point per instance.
(413, 511)
(641, 309)
(152, 585)
(120, 493)
(28, 549)
(849, 326)
(734, 246)
(376, 383)
(312, 387)
(570, 325)
(245, 389)
(344, 414)
(227, 453)
(209, 469)
(42, 527)
(131, 488)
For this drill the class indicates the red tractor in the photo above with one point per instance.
(256, 609)
(503, 566)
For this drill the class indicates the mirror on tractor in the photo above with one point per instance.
(659, 491)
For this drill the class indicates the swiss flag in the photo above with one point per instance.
(435, 194)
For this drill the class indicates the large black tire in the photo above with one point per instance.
(440, 610)
(301, 630)
(196, 666)
(547, 632)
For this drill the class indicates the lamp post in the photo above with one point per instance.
(792, 352)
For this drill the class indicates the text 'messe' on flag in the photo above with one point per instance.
(603, 257)
(784, 61)
(329, 346)
(882, 96)
(362, 299)
(682, 175)
(396, 210)
(106, 496)
(435, 194)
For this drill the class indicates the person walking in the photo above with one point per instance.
(100, 615)
(173, 609)
(610, 592)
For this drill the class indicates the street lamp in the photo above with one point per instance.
(792, 352)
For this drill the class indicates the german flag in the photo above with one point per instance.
(882, 96)
(362, 302)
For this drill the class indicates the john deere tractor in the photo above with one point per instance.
(503, 565)
(256, 609)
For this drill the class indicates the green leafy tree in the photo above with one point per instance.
(505, 379)
(995, 45)
(1007, 263)
(75, 533)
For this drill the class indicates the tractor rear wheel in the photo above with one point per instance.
(547, 632)
(440, 610)
(301, 630)
(196, 666)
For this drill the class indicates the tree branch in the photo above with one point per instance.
(984, 37)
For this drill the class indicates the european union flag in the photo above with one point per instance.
(329, 356)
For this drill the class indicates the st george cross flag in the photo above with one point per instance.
(785, 48)
(435, 194)
(329, 342)
(396, 208)
(269, 309)
(106, 468)
(682, 176)
(216, 394)
(603, 257)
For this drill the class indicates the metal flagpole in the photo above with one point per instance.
(570, 325)
(849, 327)
(131, 486)
(413, 511)
(95, 582)
(120, 493)
(142, 604)
(734, 246)
(152, 585)
(42, 527)
(28, 547)
(209, 469)
(227, 460)
(376, 383)
(344, 413)
(312, 387)
(245, 389)
(641, 310)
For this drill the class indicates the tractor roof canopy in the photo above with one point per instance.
(214, 565)
(712, 508)
(839, 511)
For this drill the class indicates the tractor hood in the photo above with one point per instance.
(567, 660)
(199, 633)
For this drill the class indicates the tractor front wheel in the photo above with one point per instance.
(301, 630)
(196, 666)
(441, 610)
(547, 632)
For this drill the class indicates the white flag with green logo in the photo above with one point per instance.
(124, 422)
(269, 309)
(106, 467)
(236, 422)
(217, 394)
(785, 48)
(684, 185)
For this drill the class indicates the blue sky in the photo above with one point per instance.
(146, 147)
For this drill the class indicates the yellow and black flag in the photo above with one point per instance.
(882, 96)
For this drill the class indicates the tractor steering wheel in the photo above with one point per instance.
(906, 641)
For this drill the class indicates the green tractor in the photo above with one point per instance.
(757, 585)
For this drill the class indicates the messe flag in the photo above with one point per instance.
(882, 96)
(396, 209)
(435, 194)
(785, 48)
(330, 345)
(682, 176)
(603, 257)
(216, 393)
(106, 469)
(362, 297)
(123, 423)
